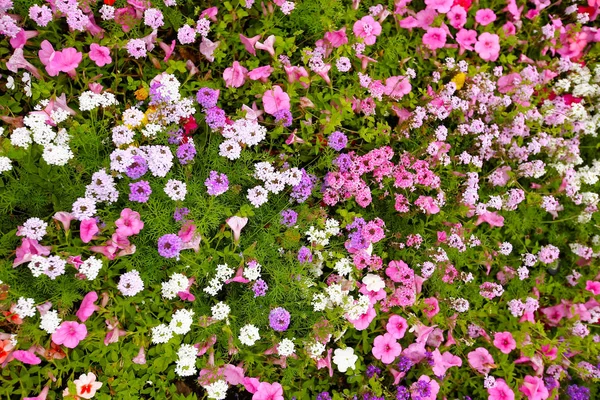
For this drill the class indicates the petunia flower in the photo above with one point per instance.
(237, 224)
(249, 43)
(42, 396)
(267, 45)
(64, 218)
(87, 307)
(26, 357)
(100, 54)
(69, 334)
(140, 359)
(275, 100)
(86, 385)
(17, 61)
(235, 76)
(88, 229)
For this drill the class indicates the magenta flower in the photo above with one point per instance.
(100, 55)
(87, 307)
(249, 43)
(275, 100)
(28, 248)
(129, 224)
(593, 286)
(268, 391)
(26, 357)
(337, 38)
(396, 326)
(386, 348)
(434, 38)
(441, 6)
(481, 360)
(501, 391)
(534, 388)
(235, 76)
(367, 28)
(69, 334)
(505, 342)
(88, 229)
(260, 73)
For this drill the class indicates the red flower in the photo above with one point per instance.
(109, 2)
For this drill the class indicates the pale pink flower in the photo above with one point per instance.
(86, 385)
(64, 218)
(100, 55)
(435, 38)
(18, 61)
(481, 360)
(42, 396)
(295, 73)
(28, 248)
(488, 46)
(492, 218)
(441, 6)
(485, 16)
(207, 48)
(140, 359)
(363, 322)
(267, 45)
(26, 357)
(444, 361)
(237, 224)
(249, 43)
(386, 348)
(397, 86)
(501, 391)
(69, 334)
(268, 391)
(367, 28)
(260, 73)
(235, 76)
(275, 100)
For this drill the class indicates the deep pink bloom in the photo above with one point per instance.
(481, 360)
(488, 46)
(432, 307)
(69, 334)
(69, 60)
(251, 384)
(367, 28)
(593, 286)
(235, 76)
(386, 348)
(534, 388)
(87, 307)
(396, 326)
(397, 86)
(129, 224)
(20, 40)
(100, 55)
(168, 49)
(505, 342)
(337, 38)
(435, 38)
(275, 100)
(268, 391)
(249, 43)
(88, 229)
(501, 391)
(28, 248)
(466, 38)
(26, 357)
(457, 17)
(210, 13)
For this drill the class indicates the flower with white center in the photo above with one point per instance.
(373, 282)
(133, 117)
(286, 347)
(249, 335)
(217, 390)
(344, 359)
(220, 311)
(181, 322)
(50, 321)
(161, 334)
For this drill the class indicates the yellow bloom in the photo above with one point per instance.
(459, 80)
(141, 94)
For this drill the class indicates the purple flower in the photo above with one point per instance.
(372, 371)
(289, 217)
(421, 389)
(304, 255)
(283, 116)
(138, 168)
(215, 117)
(216, 183)
(279, 319)
(186, 153)
(578, 392)
(139, 191)
(207, 97)
(301, 192)
(404, 364)
(343, 162)
(323, 396)
(337, 141)
(180, 213)
(169, 245)
(402, 393)
(260, 288)
(175, 137)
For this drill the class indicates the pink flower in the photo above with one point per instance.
(337, 38)
(466, 38)
(235, 76)
(435, 38)
(86, 385)
(505, 342)
(100, 55)
(69, 60)
(501, 391)
(28, 248)
(88, 229)
(397, 86)
(295, 73)
(367, 28)
(87, 307)
(268, 391)
(396, 326)
(249, 43)
(69, 334)
(491, 218)
(485, 16)
(435, 388)
(168, 49)
(237, 224)
(363, 322)
(18, 61)
(432, 307)
(140, 359)
(129, 224)
(20, 40)
(428, 204)
(251, 384)
(114, 332)
(481, 360)
(441, 6)
(210, 13)
(457, 17)
(42, 396)
(267, 45)
(260, 73)
(534, 388)
(26, 357)
(386, 348)
(275, 100)
(593, 287)
(233, 375)
(64, 218)
(488, 46)
(444, 361)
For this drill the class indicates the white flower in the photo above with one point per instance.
(217, 390)
(90, 268)
(286, 348)
(249, 335)
(50, 321)
(177, 283)
(161, 334)
(181, 322)
(344, 359)
(5, 164)
(316, 349)
(25, 307)
(176, 190)
(373, 282)
(220, 311)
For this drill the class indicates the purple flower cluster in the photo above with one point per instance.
(337, 141)
(260, 288)
(356, 239)
(578, 392)
(372, 371)
(207, 97)
(137, 168)
(404, 364)
(302, 190)
(180, 213)
(289, 217)
(283, 116)
(421, 390)
(216, 183)
(304, 255)
(279, 319)
(169, 245)
(186, 153)
(215, 118)
(175, 136)
(402, 393)
(139, 191)
(323, 396)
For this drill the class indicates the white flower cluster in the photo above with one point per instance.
(34, 228)
(220, 311)
(90, 268)
(217, 390)
(252, 271)
(249, 335)
(315, 349)
(243, 131)
(52, 266)
(176, 190)
(5, 164)
(460, 304)
(181, 323)
(89, 100)
(186, 360)
(321, 236)
(286, 347)
(273, 182)
(216, 284)
(24, 307)
(335, 296)
(50, 321)
(177, 283)
(343, 266)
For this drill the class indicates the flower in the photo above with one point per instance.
(485, 16)
(275, 100)
(69, 334)
(87, 307)
(337, 141)
(169, 245)
(396, 326)
(501, 391)
(237, 224)
(279, 319)
(534, 388)
(86, 385)
(88, 229)
(26, 357)
(129, 224)
(481, 360)
(504, 342)
(268, 391)
(434, 38)
(344, 359)
(100, 55)
(488, 46)
(386, 348)
(235, 76)
(367, 28)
